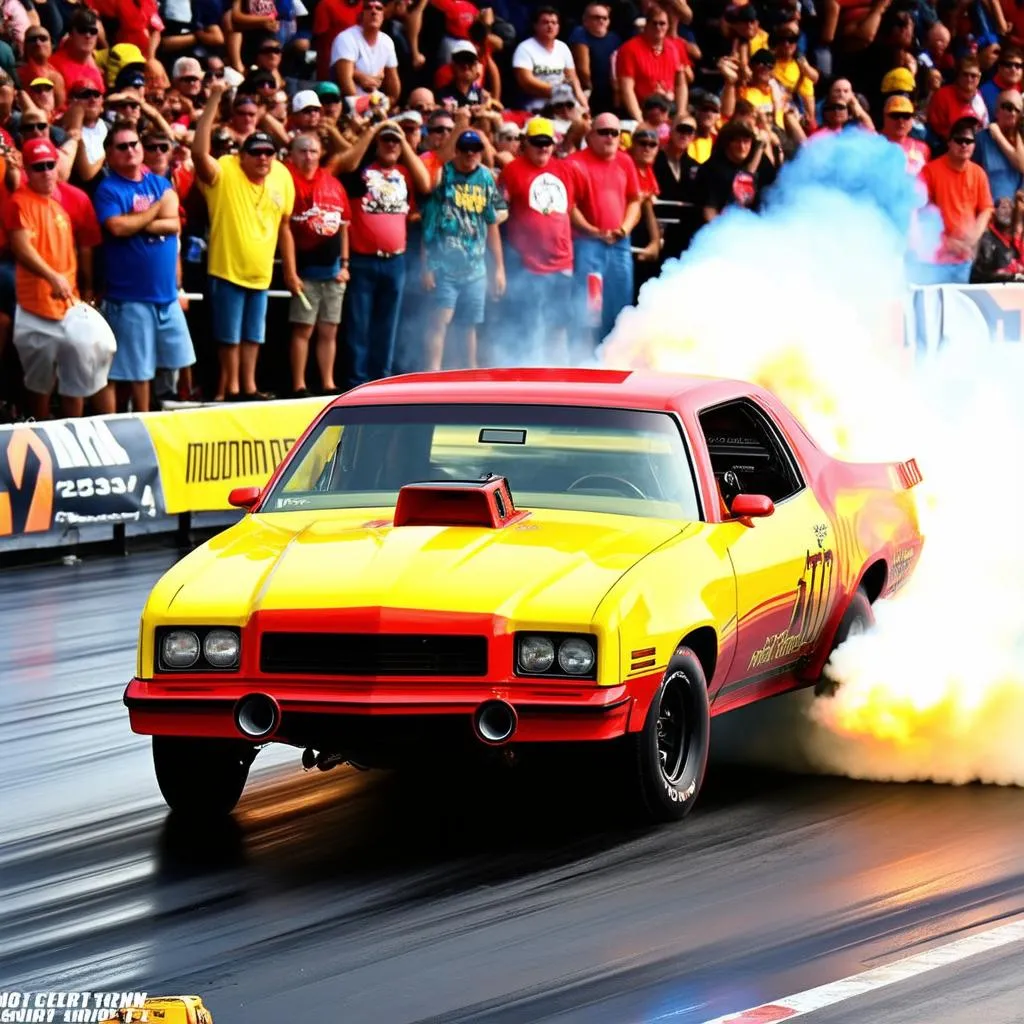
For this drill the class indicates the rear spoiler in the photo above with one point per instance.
(908, 473)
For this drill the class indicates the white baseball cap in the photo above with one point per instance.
(304, 100)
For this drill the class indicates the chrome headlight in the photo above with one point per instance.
(221, 647)
(575, 656)
(180, 649)
(536, 654)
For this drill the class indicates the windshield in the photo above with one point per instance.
(557, 457)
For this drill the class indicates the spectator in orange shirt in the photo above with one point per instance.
(959, 100)
(50, 227)
(960, 190)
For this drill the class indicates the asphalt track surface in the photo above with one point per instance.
(352, 896)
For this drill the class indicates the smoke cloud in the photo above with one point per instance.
(807, 299)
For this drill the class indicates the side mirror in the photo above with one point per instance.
(746, 507)
(244, 497)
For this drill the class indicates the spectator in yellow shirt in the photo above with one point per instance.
(250, 198)
(792, 72)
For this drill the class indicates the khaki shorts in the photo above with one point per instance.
(49, 357)
(325, 301)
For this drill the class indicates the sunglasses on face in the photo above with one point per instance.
(835, 107)
(190, 78)
(646, 144)
(1011, 64)
(900, 117)
(441, 129)
(686, 129)
(261, 152)
(123, 147)
(218, 73)
(609, 133)
(127, 105)
(271, 49)
(29, 40)
(87, 31)
(35, 126)
(43, 166)
(86, 94)
(540, 143)
(789, 39)
(963, 140)
(1010, 107)
(40, 88)
(471, 149)
(157, 147)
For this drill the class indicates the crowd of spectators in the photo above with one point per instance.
(439, 182)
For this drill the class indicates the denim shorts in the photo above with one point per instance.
(467, 298)
(239, 314)
(150, 336)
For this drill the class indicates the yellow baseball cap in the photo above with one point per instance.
(120, 56)
(898, 80)
(898, 105)
(540, 127)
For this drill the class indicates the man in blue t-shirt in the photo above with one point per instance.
(592, 45)
(460, 223)
(138, 211)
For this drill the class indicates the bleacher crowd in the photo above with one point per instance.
(437, 182)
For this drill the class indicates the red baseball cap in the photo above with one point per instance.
(38, 149)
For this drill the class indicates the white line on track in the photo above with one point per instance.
(876, 978)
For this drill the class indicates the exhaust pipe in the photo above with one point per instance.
(257, 716)
(494, 722)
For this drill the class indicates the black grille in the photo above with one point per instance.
(373, 654)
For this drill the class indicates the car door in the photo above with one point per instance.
(784, 563)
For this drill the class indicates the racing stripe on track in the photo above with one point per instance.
(878, 977)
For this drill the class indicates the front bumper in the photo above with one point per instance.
(547, 712)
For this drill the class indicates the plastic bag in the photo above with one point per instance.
(91, 336)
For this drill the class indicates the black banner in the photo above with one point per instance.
(70, 472)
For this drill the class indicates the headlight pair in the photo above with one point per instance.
(179, 650)
(554, 654)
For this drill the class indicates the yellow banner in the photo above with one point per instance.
(204, 453)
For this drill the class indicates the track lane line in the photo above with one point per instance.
(878, 977)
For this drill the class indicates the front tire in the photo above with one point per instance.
(201, 778)
(669, 756)
(858, 618)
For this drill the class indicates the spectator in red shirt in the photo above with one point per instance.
(320, 220)
(608, 208)
(37, 63)
(650, 63)
(541, 193)
(74, 59)
(961, 99)
(382, 192)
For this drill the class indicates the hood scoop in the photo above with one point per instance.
(457, 503)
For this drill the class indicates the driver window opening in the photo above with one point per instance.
(747, 455)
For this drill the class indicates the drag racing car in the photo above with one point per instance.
(493, 560)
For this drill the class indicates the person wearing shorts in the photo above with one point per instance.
(250, 197)
(139, 214)
(320, 220)
(460, 223)
(48, 225)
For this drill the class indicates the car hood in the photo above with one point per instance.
(552, 566)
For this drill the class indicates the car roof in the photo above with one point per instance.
(633, 389)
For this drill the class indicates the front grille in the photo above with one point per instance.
(373, 654)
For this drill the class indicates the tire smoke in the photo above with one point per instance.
(808, 299)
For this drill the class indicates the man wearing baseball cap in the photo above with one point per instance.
(541, 192)
(47, 224)
(897, 122)
(460, 223)
(250, 197)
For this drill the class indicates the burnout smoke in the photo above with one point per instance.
(807, 299)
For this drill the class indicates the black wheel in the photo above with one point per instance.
(201, 777)
(858, 618)
(669, 755)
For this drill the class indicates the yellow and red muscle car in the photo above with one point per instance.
(481, 559)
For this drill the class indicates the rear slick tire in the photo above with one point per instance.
(201, 778)
(858, 618)
(668, 757)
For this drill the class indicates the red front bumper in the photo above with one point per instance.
(547, 712)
